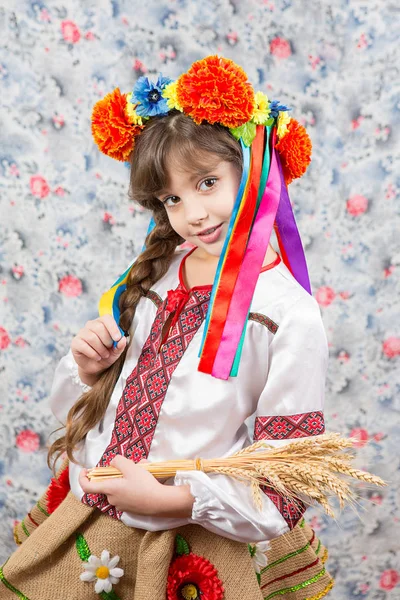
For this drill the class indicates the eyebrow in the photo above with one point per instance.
(198, 173)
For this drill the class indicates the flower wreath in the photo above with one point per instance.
(215, 90)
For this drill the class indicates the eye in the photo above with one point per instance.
(207, 184)
(171, 201)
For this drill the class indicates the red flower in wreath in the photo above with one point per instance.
(57, 491)
(193, 577)
(295, 151)
(216, 90)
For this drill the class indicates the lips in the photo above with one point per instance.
(209, 230)
(210, 235)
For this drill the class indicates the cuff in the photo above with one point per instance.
(74, 373)
(204, 500)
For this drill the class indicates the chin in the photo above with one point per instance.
(213, 249)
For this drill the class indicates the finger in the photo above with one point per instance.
(112, 327)
(82, 347)
(85, 483)
(121, 345)
(92, 487)
(120, 462)
(144, 460)
(99, 328)
(111, 500)
(95, 342)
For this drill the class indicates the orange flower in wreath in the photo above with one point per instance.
(112, 127)
(216, 90)
(295, 151)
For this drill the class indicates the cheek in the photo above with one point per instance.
(227, 201)
(176, 220)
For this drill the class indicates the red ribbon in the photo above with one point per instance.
(233, 259)
(176, 300)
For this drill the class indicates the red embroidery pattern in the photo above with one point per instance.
(289, 427)
(263, 320)
(291, 510)
(154, 297)
(146, 387)
(284, 428)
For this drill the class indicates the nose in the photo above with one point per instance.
(195, 211)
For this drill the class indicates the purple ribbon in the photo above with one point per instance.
(290, 237)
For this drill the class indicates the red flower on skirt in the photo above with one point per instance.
(193, 577)
(57, 490)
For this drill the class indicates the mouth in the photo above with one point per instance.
(209, 230)
(210, 235)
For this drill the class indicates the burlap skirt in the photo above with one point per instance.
(52, 549)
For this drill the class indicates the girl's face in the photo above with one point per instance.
(199, 204)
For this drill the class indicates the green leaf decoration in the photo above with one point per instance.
(82, 547)
(237, 132)
(109, 595)
(258, 578)
(181, 545)
(252, 549)
(269, 122)
(246, 132)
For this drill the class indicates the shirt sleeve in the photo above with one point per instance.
(290, 406)
(67, 387)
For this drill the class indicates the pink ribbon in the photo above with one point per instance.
(249, 272)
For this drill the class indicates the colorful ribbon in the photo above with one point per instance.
(234, 258)
(240, 198)
(263, 183)
(248, 275)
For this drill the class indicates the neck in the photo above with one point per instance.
(210, 259)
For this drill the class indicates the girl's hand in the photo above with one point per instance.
(92, 347)
(139, 492)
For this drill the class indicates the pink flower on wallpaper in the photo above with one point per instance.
(389, 579)
(280, 48)
(17, 271)
(4, 339)
(27, 441)
(357, 205)
(39, 186)
(70, 286)
(108, 218)
(391, 347)
(139, 66)
(70, 32)
(361, 435)
(325, 296)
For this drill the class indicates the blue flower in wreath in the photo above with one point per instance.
(275, 108)
(148, 96)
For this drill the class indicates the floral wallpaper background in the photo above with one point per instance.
(67, 229)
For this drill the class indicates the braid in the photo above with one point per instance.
(150, 266)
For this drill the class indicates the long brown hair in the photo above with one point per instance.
(174, 135)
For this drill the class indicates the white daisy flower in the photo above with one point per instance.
(103, 571)
(259, 558)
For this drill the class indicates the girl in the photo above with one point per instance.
(210, 159)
